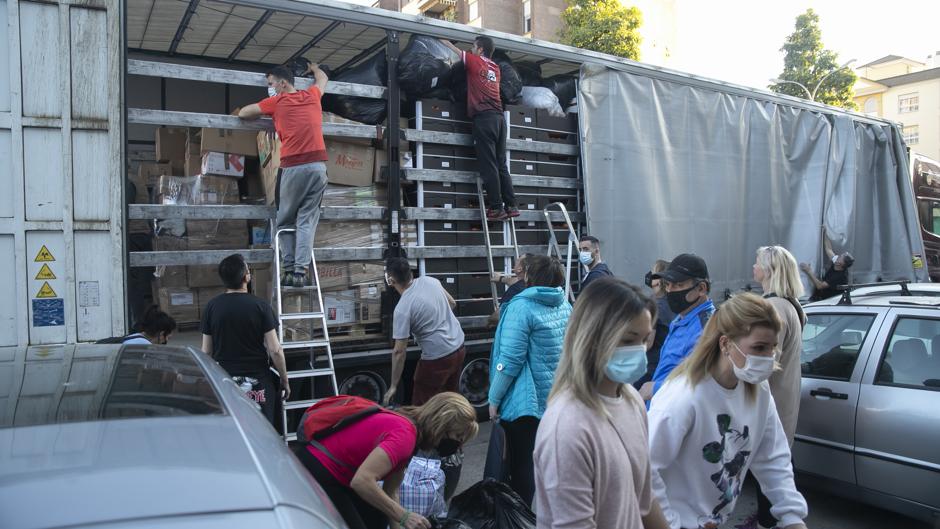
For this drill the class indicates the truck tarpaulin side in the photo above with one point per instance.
(691, 169)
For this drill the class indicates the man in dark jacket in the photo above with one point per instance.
(837, 274)
(590, 256)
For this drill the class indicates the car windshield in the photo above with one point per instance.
(60, 384)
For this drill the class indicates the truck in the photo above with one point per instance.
(657, 163)
(925, 179)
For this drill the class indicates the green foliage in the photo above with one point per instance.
(807, 62)
(602, 25)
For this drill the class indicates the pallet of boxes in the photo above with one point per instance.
(209, 167)
(351, 290)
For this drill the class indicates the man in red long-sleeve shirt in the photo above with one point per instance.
(485, 107)
(301, 180)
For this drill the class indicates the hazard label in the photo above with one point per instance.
(46, 291)
(44, 255)
(45, 273)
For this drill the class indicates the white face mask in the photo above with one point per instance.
(585, 258)
(756, 368)
(271, 91)
(387, 280)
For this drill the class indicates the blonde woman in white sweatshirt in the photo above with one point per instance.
(715, 419)
(591, 456)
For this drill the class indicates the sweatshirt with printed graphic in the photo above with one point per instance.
(703, 441)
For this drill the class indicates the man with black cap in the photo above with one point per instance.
(687, 288)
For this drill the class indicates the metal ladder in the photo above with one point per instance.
(489, 243)
(553, 246)
(312, 345)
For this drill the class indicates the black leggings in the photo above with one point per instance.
(520, 443)
(355, 511)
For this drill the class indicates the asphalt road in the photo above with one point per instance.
(825, 511)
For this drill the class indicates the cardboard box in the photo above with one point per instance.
(197, 190)
(229, 141)
(217, 235)
(203, 276)
(333, 275)
(349, 234)
(363, 272)
(223, 164)
(172, 276)
(171, 147)
(329, 117)
(205, 295)
(370, 302)
(340, 307)
(380, 172)
(181, 303)
(349, 164)
(148, 178)
(166, 243)
(269, 154)
(262, 277)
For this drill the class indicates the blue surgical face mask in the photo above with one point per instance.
(627, 364)
(586, 258)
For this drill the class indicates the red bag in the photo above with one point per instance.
(332, 414)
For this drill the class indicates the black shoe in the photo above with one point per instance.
(300, 279)
(512, 211)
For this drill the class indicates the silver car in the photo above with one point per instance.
(142, 436)
(869, 425)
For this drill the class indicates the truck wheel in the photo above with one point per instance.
(364, 384)
(475, 385)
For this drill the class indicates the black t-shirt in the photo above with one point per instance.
(237, 323)
(833, 278)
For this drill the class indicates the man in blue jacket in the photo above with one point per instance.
(687, 288)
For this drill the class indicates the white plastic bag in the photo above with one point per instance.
(543, 98)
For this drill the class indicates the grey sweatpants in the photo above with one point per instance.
(299, 193)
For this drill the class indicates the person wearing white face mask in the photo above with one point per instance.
(592, 467)
(589, 255)
(714, 420)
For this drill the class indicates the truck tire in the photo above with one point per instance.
(475, 384)
(366, 384)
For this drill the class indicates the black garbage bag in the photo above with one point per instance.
(448, 523)
(298, 66)
(374, 72)
(530, 72)
(458, 85)
(563, 86)
(491, 504)
(424, 65)
(510, 83)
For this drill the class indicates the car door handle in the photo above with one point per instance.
(826, 392)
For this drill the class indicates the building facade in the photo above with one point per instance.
(541, 19)
(906, 91)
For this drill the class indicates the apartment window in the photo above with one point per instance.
(527, 16)
(911, 134)
(474, 9)
(871, 105)
(908, 103)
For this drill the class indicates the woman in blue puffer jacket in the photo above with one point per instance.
(526, 351)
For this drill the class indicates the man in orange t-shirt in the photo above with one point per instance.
(301, 179)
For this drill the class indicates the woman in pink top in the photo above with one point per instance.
(378, 448)
(592, 465)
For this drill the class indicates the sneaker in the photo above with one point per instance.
(300, 279)
(496, 214)
(512, 211)
(287, 279)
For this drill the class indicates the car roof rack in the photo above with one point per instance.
(847, 289)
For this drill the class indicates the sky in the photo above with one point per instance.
(739, 41)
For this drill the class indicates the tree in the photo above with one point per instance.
(807, 62)
(602, 25)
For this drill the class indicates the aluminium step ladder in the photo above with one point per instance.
(555, 248)
(510, 234)
(313, 345)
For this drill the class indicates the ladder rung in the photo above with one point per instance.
(308, 373)
(301, 315)
(298, 404)
(306, 343)
(291, 437)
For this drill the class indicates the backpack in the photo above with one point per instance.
(332, 414)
